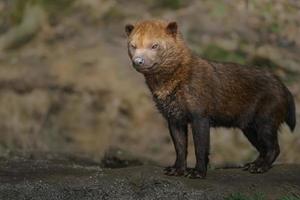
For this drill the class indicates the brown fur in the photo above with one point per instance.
(188, 89)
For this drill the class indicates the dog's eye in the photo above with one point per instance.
(155, 46)
(133, 46)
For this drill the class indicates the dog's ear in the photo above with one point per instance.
(128, 29)
(172, 28)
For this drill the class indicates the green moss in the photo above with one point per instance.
(274, 27)
(290, 198)
(52, 7)
(240, 196)
(55, 6)
(290, 76)
(219, 9)
(214, 52)
(16, 13)
(168, 4)
(257, 196)
(113, 14)
(263, 63)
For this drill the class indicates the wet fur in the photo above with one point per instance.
(188, 89)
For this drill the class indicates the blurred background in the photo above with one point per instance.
(67, 86)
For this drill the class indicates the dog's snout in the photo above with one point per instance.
(138, 61)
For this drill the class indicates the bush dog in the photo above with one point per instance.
(190, 90)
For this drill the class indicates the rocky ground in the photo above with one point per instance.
(66, 83)
(61, 178)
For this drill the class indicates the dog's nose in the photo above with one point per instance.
(138, 61)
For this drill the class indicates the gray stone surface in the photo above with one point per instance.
(25, 178)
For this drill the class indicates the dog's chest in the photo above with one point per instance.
(171, 106)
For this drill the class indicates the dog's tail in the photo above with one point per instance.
(290, 117)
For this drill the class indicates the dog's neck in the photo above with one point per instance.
(163, 84)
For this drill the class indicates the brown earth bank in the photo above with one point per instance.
(64, 177)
